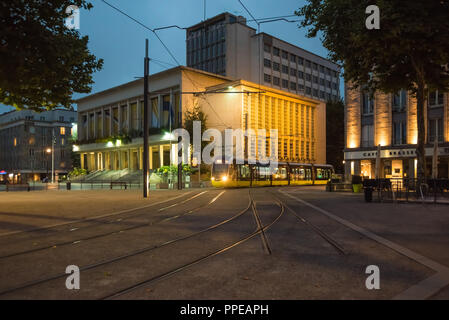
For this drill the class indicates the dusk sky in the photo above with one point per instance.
(120, 41)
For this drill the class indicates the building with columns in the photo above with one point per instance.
(110, 135)
(390, 120)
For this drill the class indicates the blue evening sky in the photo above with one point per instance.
(121, 41)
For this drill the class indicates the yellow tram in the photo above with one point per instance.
(232, 175)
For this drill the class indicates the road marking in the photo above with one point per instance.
(93, 218)
(184, 201)
(420, 291)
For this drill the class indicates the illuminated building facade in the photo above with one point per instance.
(390, 120)
(110, 122)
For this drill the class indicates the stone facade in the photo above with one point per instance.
(26, 141)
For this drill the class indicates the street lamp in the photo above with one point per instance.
(50, 150)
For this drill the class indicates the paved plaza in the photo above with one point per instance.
(261, 243)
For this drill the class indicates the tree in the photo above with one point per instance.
(335, 136)
(410, 50)
(42, 62)
(191, 115)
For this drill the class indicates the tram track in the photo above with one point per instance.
(127, 255)
(326, 237)
(54, 226)
(132, 227)
(259, 230)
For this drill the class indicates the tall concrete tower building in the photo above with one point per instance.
(227, 46)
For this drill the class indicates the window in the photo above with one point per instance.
(315, 92)
(367, 103)
(321, 69)
(436, 99)
(308, 77)
(267, 48)
(267, 78)
(315, 79)
(300, 74)
(276, 66)
(315, 66)
(322, 82)
(399, 101)
(308, 64)
(292, 58)
(293, 86)
(300, 61)
(61, 118)
(293, 72)
(62, 131)
(399, 132)
(276, 81)
(285, 69)
(42, 118)
(276, 51)
(435, 130)
(284, 54)
(284, 83)
(267, 63)
(62, 141)
(367, 136)
(300, 87)
(322, 95)
(308, 90)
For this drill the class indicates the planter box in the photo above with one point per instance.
(357, 188)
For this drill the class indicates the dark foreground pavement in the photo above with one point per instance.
(267, 243)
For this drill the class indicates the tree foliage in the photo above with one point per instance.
(409, 51)
(42, 62)
(195, 114)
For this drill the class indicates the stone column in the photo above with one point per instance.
(382, 119)
(150, 158)
(82, 160)
(161, 155)
(353, 126)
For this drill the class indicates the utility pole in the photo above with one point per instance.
(180, 157)
(145, 121)
(53, 140)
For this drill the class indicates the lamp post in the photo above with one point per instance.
(48, 150)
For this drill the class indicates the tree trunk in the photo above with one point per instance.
(420, 148)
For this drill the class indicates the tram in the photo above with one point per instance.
(232, 175)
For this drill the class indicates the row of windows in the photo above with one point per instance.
(399, 101)
(201, 38)
(301, 61)
(298, 87)
(300, 74)
(215, 66)
(42, 118)
(435, 132)
(206, 53)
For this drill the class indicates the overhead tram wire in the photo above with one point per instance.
(269, 19)
(169, 52)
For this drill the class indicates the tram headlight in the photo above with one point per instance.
(224, 178)
(213, 178)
